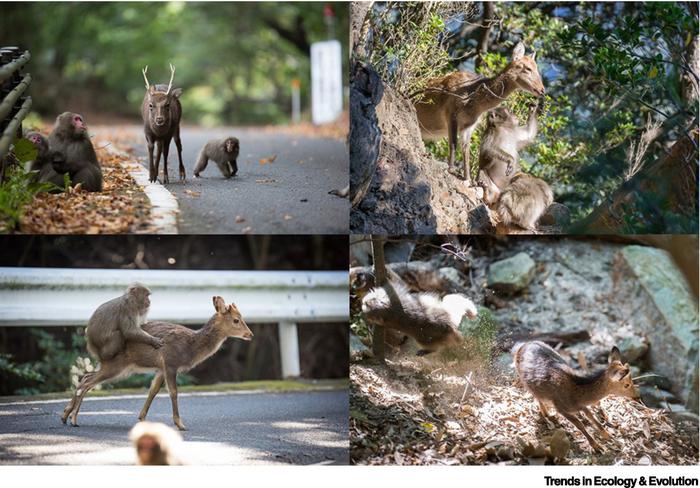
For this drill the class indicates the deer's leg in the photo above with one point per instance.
(156, 385)
(466, 153)
(452, 143)
(104, 374)
(159, 150)
(572, 418)
(178, 145)
(71, 404)
(171, 383)
(166, 150)
(152, 170)
(595, 422)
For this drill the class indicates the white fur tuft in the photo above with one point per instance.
(458, 306)
(376, 299)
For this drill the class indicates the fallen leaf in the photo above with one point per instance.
(239, 219)
(269, 160)
(193, 193)
(287, 217)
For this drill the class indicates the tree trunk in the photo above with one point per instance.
(359, 12)
(380, 280)
(487, 21)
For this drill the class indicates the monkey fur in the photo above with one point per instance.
(120, 320)
(498, 153)
(523, 202)
(224, 152)
(156, 444)
(43, 163)
(431, 321)
(70, 139)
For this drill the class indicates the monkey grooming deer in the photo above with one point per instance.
(452, 104)
(501, 142)
(224, 152)
(431, 321)
(161, 112)
(545, 374)
(182, 350)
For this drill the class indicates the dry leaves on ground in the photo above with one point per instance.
(407, 413)
(120, 208)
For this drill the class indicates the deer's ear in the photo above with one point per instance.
(176, 92)
(219, 304)
(151, 89)
(614, 355)
(518, 51)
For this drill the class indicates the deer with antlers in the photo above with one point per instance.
(161, 112)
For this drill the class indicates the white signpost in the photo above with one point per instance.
(326, 82)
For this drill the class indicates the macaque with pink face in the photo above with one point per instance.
(70, 140)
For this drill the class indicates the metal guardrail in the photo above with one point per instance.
(14, 104)
(66, 296)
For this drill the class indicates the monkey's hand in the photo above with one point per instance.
(539, 106)
(157, 343)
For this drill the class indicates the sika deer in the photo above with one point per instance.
(452, 104)
(183, 349)
(546, 375)
(161, 112)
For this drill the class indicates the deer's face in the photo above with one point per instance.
(159, 107)
(619, 377)
(229, 319)
(527, 76)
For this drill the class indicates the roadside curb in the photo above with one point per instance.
(164, 206)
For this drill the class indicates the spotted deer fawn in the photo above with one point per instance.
(182, 350)
(546, 375)
(452, 104)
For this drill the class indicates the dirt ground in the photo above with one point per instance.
(439, 410)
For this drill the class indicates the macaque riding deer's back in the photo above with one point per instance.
(161, 112)
(452, 104)
(182, 350)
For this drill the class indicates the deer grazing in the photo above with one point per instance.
(161, 112)
(182, 350)
(452, 104)
(546, 375)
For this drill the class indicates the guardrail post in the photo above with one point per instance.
(289, 349)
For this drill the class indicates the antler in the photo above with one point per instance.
(144, 71)
(534, 55)
(172, 75)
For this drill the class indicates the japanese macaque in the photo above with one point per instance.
(120, 320)
(224, 152)
(522, 203)
(431, 321)
(156, 444)
(43, 162)
(498, 153)
(70, 139)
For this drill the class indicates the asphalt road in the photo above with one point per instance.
(286, 196)
(223, 428)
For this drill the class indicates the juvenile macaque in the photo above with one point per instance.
(432, 322)
(43, 163)
(224, 152)
(156, 444)
(70, 139)
(498, 153)
(120, 320)
(523, 202)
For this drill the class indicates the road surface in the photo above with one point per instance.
(286, 196)
(223, 428)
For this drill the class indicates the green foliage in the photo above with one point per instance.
(11, 373)
(17, 191)
(409, 41)
(55, 365)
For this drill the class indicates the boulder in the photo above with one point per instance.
(654, 295)
(511, 275)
